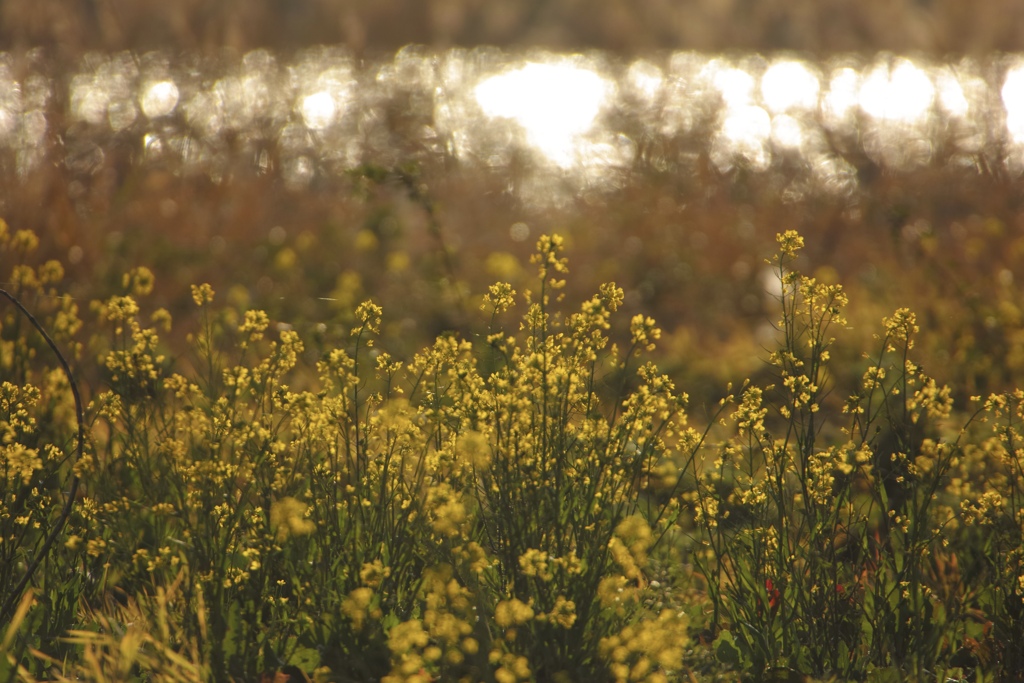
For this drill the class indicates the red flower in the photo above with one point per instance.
(773, 593)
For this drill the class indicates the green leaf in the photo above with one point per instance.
(843, 652)
(975, 629)
(306, 658)
(726, 650)
(8, 668)
(888, 674)
(389, 621)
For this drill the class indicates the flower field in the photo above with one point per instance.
(531, 481)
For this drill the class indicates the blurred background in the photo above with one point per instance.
(366, 26)
(304, 155)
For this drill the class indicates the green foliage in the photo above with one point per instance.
(529, 504)
(829, 533)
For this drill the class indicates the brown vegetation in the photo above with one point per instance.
(932, 26)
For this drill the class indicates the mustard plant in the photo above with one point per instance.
(528, 503)
(817, 519)
(555, 475)
(474, 513)
(41, 441)
(987, 499)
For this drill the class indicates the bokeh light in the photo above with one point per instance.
(553, 102)
(584, 122)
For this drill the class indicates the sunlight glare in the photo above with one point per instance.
(951, 94)
(905, 93)
(553, 102)
(841, 98)
(159, 99)
(319, 110)
(744, 133)
(645, 78)
(789, 85)
(1013, 100)
(747, 124)
(10, 104)
(735, 85)
(7, 121)
(744, 128)
(787, 132)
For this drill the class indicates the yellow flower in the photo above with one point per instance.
(287, 518)
(24, 240)
(563, 613)
(162, 318)
(512, 612)
(407, 636)
(535, 563)
(901, 327)
(447, 511)
(255, 324)
(202, 294)
(120, 309)
(51, 272)
(355, 606)
(475, 448)
(373, 573)
(138, 281)
(644, 332)
(21, 461)
(790, 242)
(500, 297)
(369, 316)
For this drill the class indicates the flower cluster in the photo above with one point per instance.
(526, 503)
